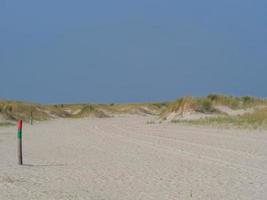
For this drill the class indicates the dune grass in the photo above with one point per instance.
(207, 104)
(256, 119)
(198, 104)
(4, 124)
(236, 102)
(14, 110)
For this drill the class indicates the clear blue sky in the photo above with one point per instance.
(128, 51)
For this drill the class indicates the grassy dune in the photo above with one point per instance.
(257, 119)
(14, 110)
(207, 105)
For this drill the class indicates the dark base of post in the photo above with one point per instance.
(20, 161)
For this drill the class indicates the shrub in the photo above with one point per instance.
(205, 106)
(8, 108)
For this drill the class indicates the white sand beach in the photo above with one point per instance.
(126, 158)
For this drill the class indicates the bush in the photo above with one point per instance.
(213, 97)
(233, 102)
(8, 108)
(205, 106)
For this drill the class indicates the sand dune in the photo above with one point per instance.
(127, 158)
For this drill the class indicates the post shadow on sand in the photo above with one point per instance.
(43, 165)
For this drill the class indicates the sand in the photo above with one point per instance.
(126, 158)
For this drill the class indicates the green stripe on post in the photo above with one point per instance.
(19, 134)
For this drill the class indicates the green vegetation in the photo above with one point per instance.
(207, 104)
(90, 110)
(14, 110)
(6, 124)
(256, 119)
(236, 102)
(136, 108)
(185, 103)
(198, 104)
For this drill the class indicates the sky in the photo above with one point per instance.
(63, 51)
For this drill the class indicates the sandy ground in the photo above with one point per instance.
(125, 158)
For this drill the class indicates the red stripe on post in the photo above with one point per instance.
(20, 124)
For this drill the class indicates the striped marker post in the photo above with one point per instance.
(20, 162)
(31, 118)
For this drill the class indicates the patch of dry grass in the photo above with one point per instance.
(236, 102)
(14, 110)
(207, 104)
(256, 119)
(6, 124)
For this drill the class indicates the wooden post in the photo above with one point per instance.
(31, 118)
(20, 161)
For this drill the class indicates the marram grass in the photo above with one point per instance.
(256, 119)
